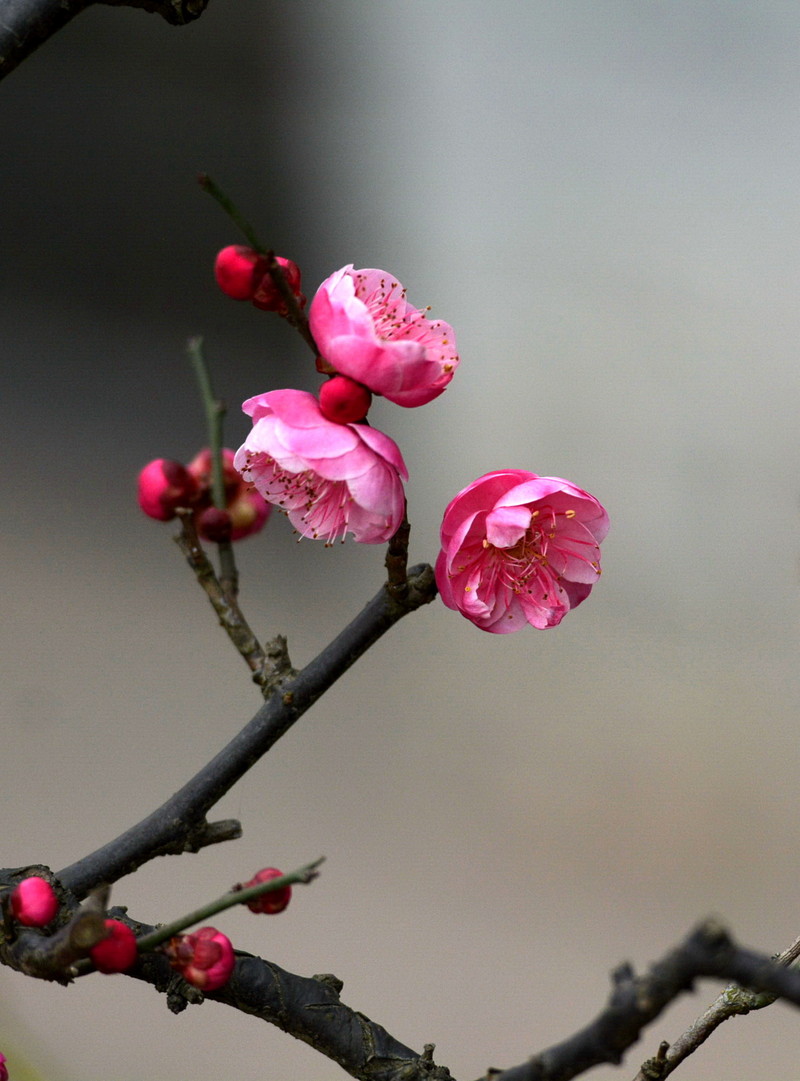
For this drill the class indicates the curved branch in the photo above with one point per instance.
(27, 24)
(637, 1000)
(176, 826)
(734, 1001)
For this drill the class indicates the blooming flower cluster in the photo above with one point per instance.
(166, 485)
(517, 549)
(316, 458)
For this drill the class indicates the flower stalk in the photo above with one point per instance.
(233, 897)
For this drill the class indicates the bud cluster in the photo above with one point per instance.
(243, 274)
(166, 485)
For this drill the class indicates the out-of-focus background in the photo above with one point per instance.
(602, 198)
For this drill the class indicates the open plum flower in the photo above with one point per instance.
(519, 549)
(365, 328)
(329, 478)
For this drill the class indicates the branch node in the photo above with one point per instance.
(212, 833)
(333, 983)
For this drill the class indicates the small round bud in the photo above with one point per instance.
(164, 485)
(34, 902)
(248, 512)
(273, 902)
(117, 952)
(215, 525)
(200, 469)
(344, 401)
(205, 959)
(238, 271)
(268, 297)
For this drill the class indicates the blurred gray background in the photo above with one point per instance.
(602, 198)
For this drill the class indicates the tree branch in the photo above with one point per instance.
(179, 824)
(636, 1001)
(733, 1002)
(309, 1008)
(27, 24)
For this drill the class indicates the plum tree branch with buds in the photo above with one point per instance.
(518, 551)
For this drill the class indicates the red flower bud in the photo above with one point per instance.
(267, 295)
(34, 902)
(238, 271)
(117, 952)
(248, 513)
(344, 401)
(200, 469)
(215, 525)
(205, 959)
(3, 1068)
(273, 902)
(164, 485)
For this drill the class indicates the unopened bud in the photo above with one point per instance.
(117, 952)
(34, 902)
(201, 469)
(215, 525)
(268, 297)
(344, 401)
(205, 959)
(248, 513)
(164, 485)
(273, 902)
(238, 271)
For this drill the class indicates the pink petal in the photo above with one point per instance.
(506, 526)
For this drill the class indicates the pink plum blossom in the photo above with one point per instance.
(365, 328)
(518, 548)
(329, 478)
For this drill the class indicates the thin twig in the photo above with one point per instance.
(224, 603)
(214, 409)
(295, 315)
(732, 1002)
(237, 896)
